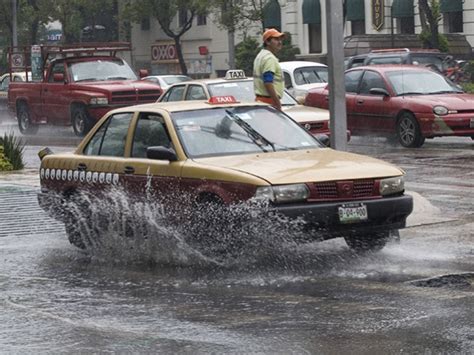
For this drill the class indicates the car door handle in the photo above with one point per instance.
(81, 167)
(129, 170)
(360, 102)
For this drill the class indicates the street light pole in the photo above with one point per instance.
(337, 90)
(14, 25)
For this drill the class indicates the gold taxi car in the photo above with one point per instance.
(230, 153)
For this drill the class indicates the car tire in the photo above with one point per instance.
(81, 122)
(408, 131)
(369, 242)
(24, 120)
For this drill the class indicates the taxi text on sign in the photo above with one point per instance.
(378, 14)
(164, 53)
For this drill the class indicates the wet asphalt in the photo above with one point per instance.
(415, 296)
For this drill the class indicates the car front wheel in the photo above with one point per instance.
(81, 122)
(409, 132)
(367, 242)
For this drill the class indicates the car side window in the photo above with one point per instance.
(175, 93)
(352, 80)
(58, 68)
(150, 131)
(288, 83)
(195, 92)
(110, 139)
(371, 80)
(5, 83)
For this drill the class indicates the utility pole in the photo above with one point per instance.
(337, 90)
(14, 25)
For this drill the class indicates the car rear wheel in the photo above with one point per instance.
(24, 120)
(81, 122)
(369, 242)
(409, 132)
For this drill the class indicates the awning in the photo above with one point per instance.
(312, 12)
(402, 8)
(450, 5)
(355, 10)
(272, 15)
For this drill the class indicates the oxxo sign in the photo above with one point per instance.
(164, 53)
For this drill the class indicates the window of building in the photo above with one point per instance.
(182, 17)
(406, 25)
(453, 22)
(201, 20)
(358, 27)
(145, 24)
(315, 42)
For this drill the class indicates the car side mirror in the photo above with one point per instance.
(323, 139)
(379, 91)
(58, 77)
(142, 73)
(161, 153)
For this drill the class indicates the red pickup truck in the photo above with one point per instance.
(80, 83)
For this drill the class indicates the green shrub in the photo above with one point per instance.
(468, 87)
(5, 165)
(245, 53)
(13, 148)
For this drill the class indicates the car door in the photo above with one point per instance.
(371, 111)
(146, 177)
(55, 96)
(352, 81)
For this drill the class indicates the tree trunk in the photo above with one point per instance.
(179, 52)
(429, 17)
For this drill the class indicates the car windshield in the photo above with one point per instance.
(170, 80)
(100, 70)
(241, 130)
(412, 82)
(243, 91)
(310, 75)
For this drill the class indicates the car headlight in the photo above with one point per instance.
(283, 193)
(99, 101)
(392, 186)
(440, 110)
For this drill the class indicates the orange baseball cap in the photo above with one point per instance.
(271, 33)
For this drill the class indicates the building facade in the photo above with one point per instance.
(390, 23)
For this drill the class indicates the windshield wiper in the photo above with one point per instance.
(445, 92)
(87, 79)
(116, 78)
(256, 137)
(411, 93)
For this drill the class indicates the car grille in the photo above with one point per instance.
(132, 96)
(350, 189)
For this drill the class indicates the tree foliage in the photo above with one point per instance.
(245, 53)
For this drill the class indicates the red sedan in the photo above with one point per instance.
(408, 101)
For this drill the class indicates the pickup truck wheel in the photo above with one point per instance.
(372, 242)
(24, 120)
(81, 122)
(409, 132)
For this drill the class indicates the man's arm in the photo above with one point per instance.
(268, 82)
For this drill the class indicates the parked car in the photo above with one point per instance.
(5, 83)
(408, 101)
(424, 57)
(300, 76)
(236, 84)
(164, 81)
(221, 152)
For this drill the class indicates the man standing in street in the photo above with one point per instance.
(267, 75)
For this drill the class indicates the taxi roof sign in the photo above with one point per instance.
(229, 99)
(235, 74)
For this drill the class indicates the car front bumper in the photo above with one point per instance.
(387, 213)
(460, 124)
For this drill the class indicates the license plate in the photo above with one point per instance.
(352, 213)
(471, 124)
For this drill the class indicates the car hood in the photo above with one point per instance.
(120, 85)
(302, 114)
(459, 101)
(315, 165)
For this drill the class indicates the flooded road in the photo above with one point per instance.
(415, 296)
